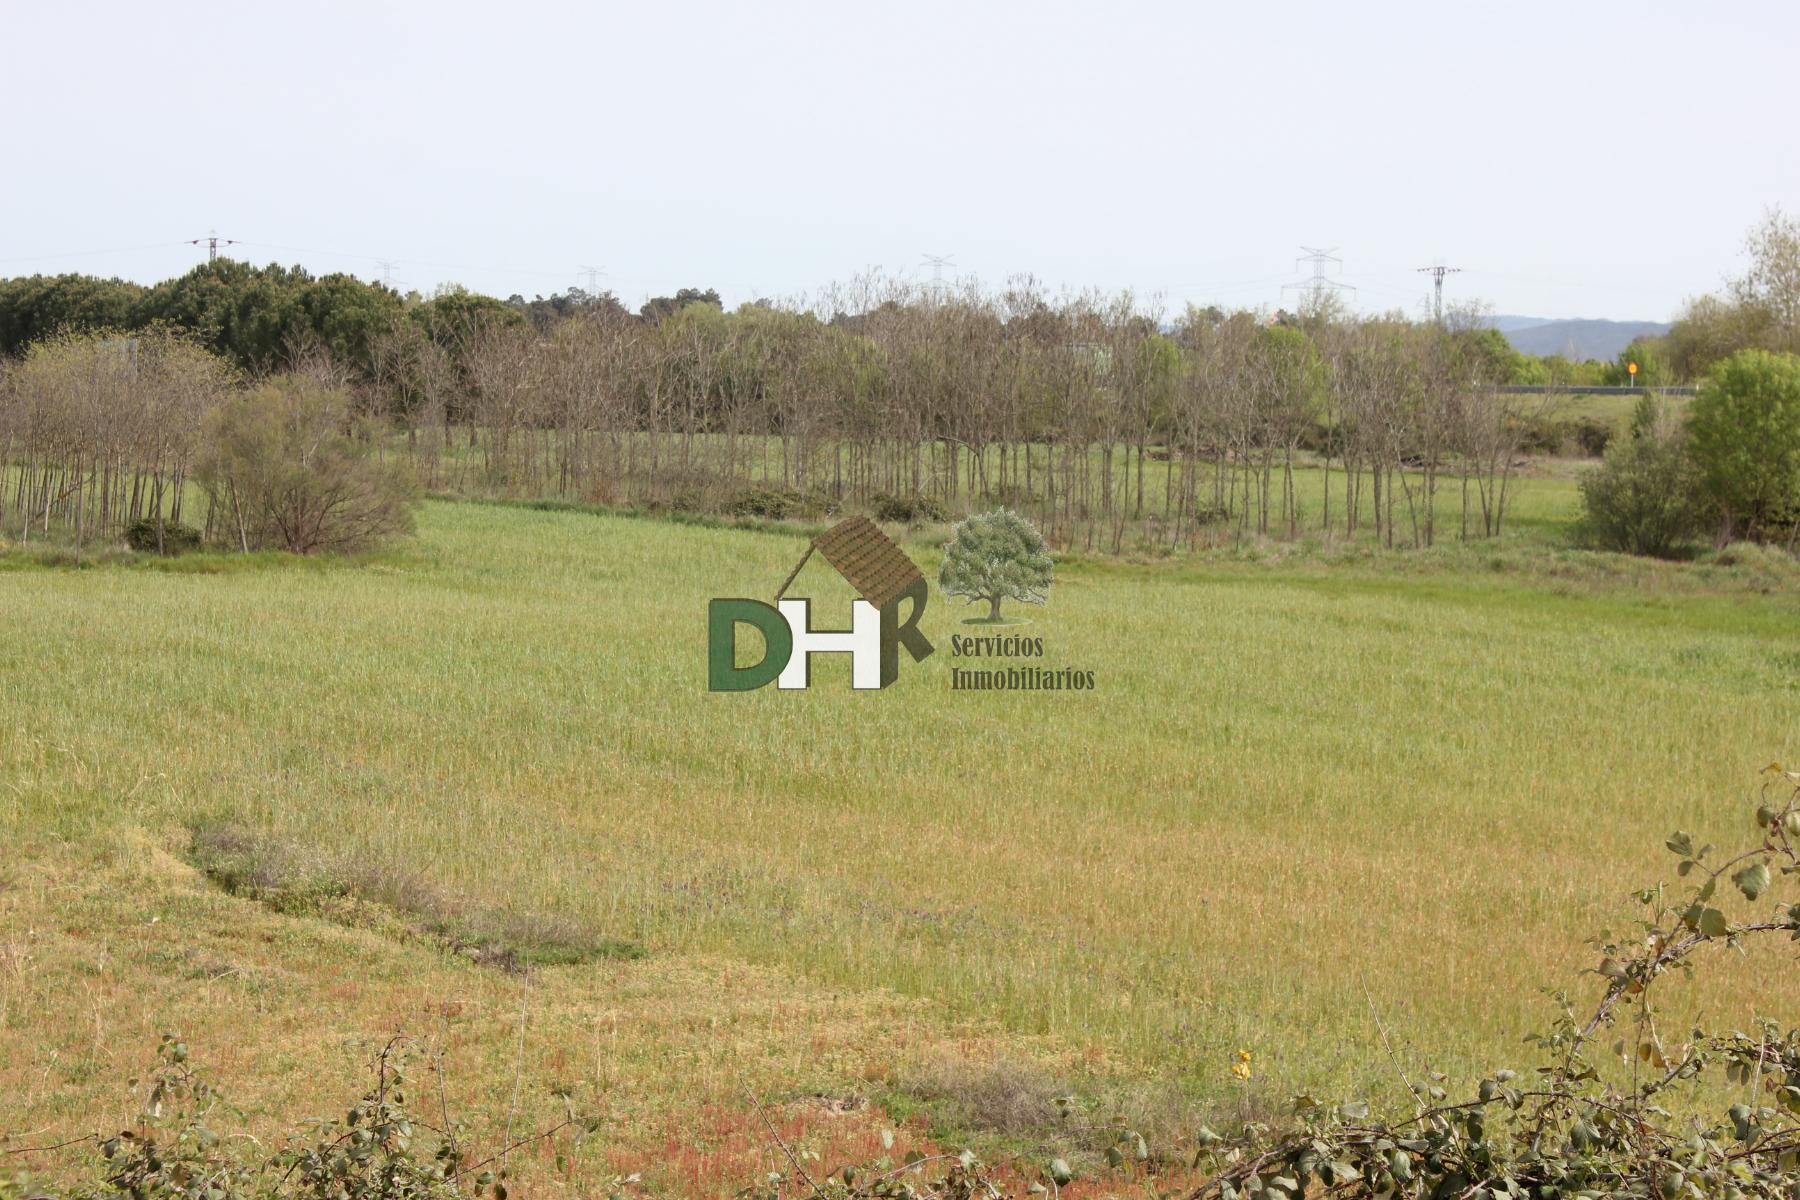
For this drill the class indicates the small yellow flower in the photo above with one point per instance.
(1241, 1068)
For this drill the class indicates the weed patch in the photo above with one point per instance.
(1022, 1107)
(300, 881)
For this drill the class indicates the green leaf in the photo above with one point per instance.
(1753, 880)
(1714, 924)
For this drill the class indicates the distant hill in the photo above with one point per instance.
(1574, 339)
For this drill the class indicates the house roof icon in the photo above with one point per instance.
(866, 557)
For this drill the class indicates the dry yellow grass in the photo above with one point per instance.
(107, 944)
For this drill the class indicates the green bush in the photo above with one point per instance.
(772, 504)
(161, 537)
(779, 504)
(1591, 435)
(1586, 436)
(284, 473)
(907, 510)
(1744, 429)
(1642, 498)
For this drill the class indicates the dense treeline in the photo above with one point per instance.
(1093, 413)
(254, 316)
(251, 316)
(1100, 416)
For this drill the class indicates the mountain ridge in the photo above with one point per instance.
(1575, 338)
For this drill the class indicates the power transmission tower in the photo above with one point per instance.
(387, 272)
(938, 263)
(593, 278)
(213, 241)
(1437, 274)
(1314, 289)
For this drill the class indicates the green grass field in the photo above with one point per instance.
(1303, 791)
(1612, 408)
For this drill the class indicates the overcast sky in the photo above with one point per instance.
(1575, 159)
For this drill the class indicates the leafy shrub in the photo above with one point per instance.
(907, 510)
(161, 537)
(779, 504)
(1744, 428)
(1327, 440)
(773, 504)
(688, 500)
(283, 472)
(1641, 500)
(1591, 436)
(1586, 436)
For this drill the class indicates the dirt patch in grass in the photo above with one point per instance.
(296, 879)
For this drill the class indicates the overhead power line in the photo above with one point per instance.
(93, 253)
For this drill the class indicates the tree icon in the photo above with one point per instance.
(997, 556)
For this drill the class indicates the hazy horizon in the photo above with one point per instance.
(1604, 161)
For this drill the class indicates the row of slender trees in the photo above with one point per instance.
(1095, 414)
(99, 432)
(157, 438)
